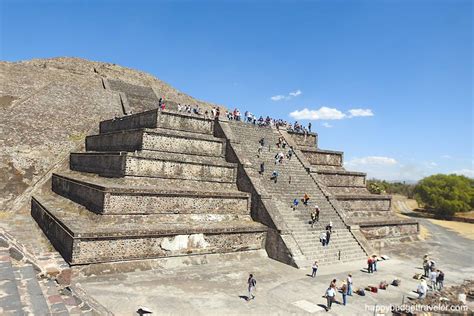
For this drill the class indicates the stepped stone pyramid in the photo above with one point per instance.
(151, 185)
(160, 184)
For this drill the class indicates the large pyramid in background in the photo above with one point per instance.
(47, 106)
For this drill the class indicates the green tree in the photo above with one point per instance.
(446, 194)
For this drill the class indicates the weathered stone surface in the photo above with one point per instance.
(47, 107)
(305, 139)
(323, 158)
(165, 141)
(163, 119)
(342, 178)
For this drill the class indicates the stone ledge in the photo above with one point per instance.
(318, 150)
(341, 172)
(362, 197)
(95, 183)
(79, 223)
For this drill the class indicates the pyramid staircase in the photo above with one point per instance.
(293, 182)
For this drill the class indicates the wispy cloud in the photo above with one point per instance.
(372, 160)
(324, 113)
(290, 95)
(360, 112)
(327, 125)
(465, 172)
(327, 113)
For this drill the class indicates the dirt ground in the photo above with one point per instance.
(464, 229)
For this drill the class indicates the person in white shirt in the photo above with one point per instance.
(422, 289)
(433, 277)
(349, 285)
(315, 269)
(330, 296)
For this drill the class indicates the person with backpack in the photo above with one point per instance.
(252, 284)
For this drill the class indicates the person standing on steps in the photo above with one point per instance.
(316, 210)
(290, 153)
(259, 150)
(305, 199)
(295, 204)
(329, 226)
(252, 284)
(274, 176)
(322, 238)
(328, 236)
(262, 168)
(262, 141)
(309, 126)
(313, 218)
(314, 267)
(349, 284)
(440, 280)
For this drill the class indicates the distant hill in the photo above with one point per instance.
(47, 106)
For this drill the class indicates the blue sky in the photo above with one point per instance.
(405, 66)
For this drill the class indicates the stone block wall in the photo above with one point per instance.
(342, 178)
(389, 230)
(323, 157)
(362, 203)
(305, 140)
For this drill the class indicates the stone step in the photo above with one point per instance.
(10, 300)
(83, 237)
(122, 164)
(31, 293)
(365, 202)
(158, 140)
(106, 199)
(162, 119)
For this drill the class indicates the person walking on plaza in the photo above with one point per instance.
(313, 218)
(252, 284)
(440, 280)
(426, 265)
(315, 269)
(369, 265)
(344, 292)
(374, 263)
(330, 296)
(349, 284)
(433, 277)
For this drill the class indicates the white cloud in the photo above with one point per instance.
(290, 95)
(372, 160)
(465, 172)
(446, 156)
(277, 97)
(327, 113)
(323, 113)
(296, 93)
(327, 125)
(360, 112)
